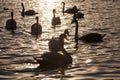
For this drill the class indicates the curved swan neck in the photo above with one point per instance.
(54, 11)
(23, 8)
(63, 7)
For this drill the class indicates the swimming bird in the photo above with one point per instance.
(28, 12)
(55, 20)
(36, 29)
(54, 43)
(11, 24)
(88, 38)
(54, 60)
(69, 10)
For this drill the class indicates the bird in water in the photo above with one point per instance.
(56, 19)
(54, 60)
(36, 29)
(54, 43)
(69, 10)
(11, 24)
(88, 38)
(28, 12)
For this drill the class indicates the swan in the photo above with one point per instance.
(28, 12)
(70, 10)
(88, 38)
(36, 29)
(54, 60)
(54, 43)
(11, 24)
(55, 20)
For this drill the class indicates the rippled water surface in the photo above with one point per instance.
(95, 61)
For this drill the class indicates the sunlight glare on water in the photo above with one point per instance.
(91, 61)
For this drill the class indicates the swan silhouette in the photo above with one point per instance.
(54, 60)
(54, 43)
(55, 20)
(88, 38)
(28, 12)
(11, 24)
(69, 10)
(36, 29)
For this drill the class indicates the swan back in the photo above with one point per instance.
(92, 37)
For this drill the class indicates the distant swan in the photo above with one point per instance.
(54, 43)
(36, 29)
(28, 12)
(90, 37)
(55, 20)
(54, 60)
(11, 24)
(69, 10)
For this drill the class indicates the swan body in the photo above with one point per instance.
(11, 24)
(54, 60)
(55, 20)
(28, 12)
(70, 10)
(36, 29)
(78, 15)
(92, 37)
(54, 43)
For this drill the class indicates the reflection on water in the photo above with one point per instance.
(95, 61)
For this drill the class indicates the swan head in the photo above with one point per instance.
(66, 32)
(22, 4)
(63, 36)
(63, 3)
(54, 11)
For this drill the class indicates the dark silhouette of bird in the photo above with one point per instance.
(54, 43)
(69, 10)
(88, 38)
(36, 29)
(28, 12)
(11, 24)
(56, 19)
(54, 60)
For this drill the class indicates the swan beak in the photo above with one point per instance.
(66, 38)
(66, 32)
(73, 21)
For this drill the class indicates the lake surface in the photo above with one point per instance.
(93, 61)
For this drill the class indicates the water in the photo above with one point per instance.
(95, 61)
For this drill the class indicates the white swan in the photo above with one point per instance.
(36, 29)
(28, 12)
(11, 24)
